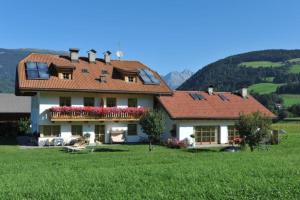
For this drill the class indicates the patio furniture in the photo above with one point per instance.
(117, 136)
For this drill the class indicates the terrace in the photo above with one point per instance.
(71, 113)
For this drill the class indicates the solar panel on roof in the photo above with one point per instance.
(31, 66)
(32, 74)
(42, 66)
(151, 76)
(37, 70)
(144, 77)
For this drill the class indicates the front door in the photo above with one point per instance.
(100, 133)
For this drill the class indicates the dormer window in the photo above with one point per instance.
(130, 78)
(65, 75)
(65, 72)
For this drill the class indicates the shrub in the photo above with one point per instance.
(24, 125)
(153, 124)
(254, 129)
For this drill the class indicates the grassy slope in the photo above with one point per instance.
(264, 88)
(294, 69)
(256, 64)
(290, 99)
(131, 172)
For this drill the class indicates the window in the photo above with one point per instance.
(232, 133)
(131, 129)
(205, 134)
(65, 75)
(49, 130)
(64, 101)
(130, 79)
(88, 101)
(174, 130)
(76, 130)
(111, 102)
(132, 102)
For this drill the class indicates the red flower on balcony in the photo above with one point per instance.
(98, 112)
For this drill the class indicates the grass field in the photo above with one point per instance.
(264, 88)
(290, 99)
(295, 69)
(256, 64)
(131, 172)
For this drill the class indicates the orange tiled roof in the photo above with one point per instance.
(182, 106)
(87, 81)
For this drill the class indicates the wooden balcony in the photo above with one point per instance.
(99, 114)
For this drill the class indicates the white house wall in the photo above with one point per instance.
(45, 100)
(185, 128)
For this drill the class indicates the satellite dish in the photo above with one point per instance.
(119, 54)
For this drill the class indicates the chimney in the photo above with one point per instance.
(74, 54)
(92, 55)
(210, 90)
(107, 57)
(244, 92)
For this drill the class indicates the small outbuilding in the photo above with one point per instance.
(12, 108)
(207, 118)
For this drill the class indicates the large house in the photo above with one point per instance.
(75, 96)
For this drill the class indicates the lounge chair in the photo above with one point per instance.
(117, 137)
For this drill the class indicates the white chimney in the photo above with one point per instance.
(107, 57)
(92, 55)
(210, 90)
(74, 54)
(244, 92)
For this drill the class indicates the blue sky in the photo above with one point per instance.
(165, 35)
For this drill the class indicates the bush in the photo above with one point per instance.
(254, 129)
(24, 126)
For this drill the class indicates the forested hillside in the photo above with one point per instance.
(271, 75)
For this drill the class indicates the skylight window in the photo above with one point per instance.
(197, 97)
(37, 70)
(223, 97)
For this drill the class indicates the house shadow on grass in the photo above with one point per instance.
(110, 150)
(202, 150)
(96, 150)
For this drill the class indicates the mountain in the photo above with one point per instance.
(9, 59)
(175, 78)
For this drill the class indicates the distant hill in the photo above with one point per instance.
(272, 76)
(9, 59)
(233, 72)
(175, 78)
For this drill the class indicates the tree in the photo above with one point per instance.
(153, 124)
(24, 125)
(254, 128)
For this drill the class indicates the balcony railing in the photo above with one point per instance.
(71, 113)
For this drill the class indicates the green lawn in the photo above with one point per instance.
(290, 99)
(264, 88)
(131, 172)
(256, 64)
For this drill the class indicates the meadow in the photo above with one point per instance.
(264, 88)
(290, 99)
(131, 172)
